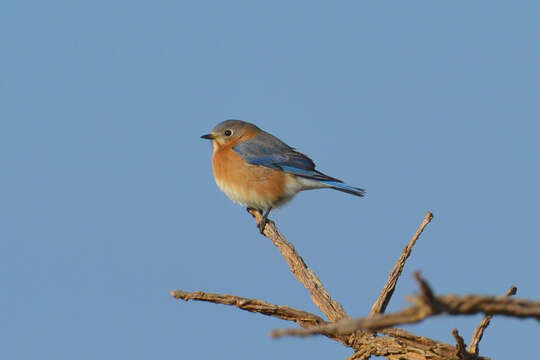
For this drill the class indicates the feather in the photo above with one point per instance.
(267, 150)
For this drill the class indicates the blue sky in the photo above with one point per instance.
(108, 199)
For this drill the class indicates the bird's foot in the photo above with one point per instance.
(261, 225)
(264, 220)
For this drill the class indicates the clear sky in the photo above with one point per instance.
(108, 200)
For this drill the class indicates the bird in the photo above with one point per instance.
(256, 169)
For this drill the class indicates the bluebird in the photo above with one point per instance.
(258, 170)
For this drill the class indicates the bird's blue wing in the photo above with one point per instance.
(267, 150)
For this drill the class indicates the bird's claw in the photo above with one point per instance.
(261, 225)
(264, 220)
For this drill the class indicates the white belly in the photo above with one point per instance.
(249, 197)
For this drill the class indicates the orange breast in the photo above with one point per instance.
(250, 185)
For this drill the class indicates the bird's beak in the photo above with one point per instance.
(207, 136)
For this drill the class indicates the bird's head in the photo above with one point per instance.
(230, 131)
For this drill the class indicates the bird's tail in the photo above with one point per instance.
(337, 184)
(315, 180)
(345, 188)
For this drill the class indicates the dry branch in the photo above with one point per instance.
(380, 305)
(426, 305)
(303, 318)
(392, 343)
(479, 331)
(402, 345)
(461, 349)
(321, 297)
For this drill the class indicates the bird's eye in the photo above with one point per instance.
(228, 132)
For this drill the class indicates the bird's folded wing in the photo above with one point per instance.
(267, 150)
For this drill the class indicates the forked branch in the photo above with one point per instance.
(426, 305)
(382, 339)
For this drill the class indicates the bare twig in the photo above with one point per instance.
(392, 343)
(479, 331)
(348, 326)
(411, 339)
(303, 318)
(461, 350)
(380, 305)
(427, 305)
(405, 347)
(427, 295)
(320, 296)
